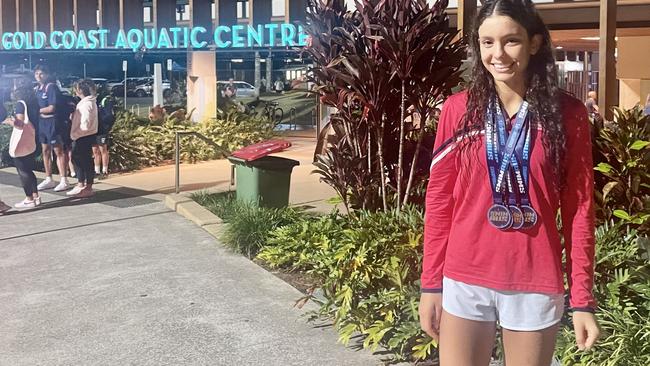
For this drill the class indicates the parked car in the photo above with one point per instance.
(244, 89)
(146, 88)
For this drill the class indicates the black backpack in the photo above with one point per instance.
(106, 115)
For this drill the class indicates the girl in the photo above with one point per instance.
(510, 152)
(82, 132)
(22, 146)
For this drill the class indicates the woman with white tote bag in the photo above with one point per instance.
(22, 145)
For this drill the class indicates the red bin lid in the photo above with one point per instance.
(261, 149)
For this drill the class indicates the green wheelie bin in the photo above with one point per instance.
(264, 181)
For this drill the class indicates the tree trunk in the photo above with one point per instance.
(382, 170)
(413, 164)
(400, 157)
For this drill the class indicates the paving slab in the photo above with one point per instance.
(119, 279)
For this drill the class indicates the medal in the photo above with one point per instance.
(530, 216)
(517, 217)
(499, 216)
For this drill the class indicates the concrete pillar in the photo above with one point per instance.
(201, 16)
(632, 70)
(7, 16)
(42, 15)
(86, 14)
(269, 73)
(164, 13)
(466, 15)
(607, 73)
(131, 14)
(202, 84)
(61, 14)
(25, 15)
(258, 67)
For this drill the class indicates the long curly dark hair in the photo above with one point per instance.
(543, 92)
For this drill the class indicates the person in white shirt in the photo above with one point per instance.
(82, 132)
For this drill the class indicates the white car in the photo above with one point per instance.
(244, 89)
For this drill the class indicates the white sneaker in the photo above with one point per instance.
(26, 204)
(4, 207)
(48, 183)
(62, 186)
(74, 191)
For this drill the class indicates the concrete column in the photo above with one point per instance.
(269, 72)
(164, 13)
(607, 74)
(86, 14)
(202, 84)
(42, 15)
(466, 15)
(7, 16)
(61, 14)
(25, 15)
(258, 65)
(632, 70)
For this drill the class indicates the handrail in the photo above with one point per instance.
(177, 153)
(292, 118)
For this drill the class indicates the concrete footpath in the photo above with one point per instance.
(119, 279)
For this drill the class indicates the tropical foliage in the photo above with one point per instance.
(385, 67)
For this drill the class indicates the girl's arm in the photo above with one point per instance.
(439, 200)
(577, 208)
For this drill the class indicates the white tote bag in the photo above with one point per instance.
(23, 140)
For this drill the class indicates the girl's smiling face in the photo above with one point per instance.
(506, 49)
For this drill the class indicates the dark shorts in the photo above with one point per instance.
(48, 133)
(101, 139)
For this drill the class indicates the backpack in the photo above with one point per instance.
(106, 115)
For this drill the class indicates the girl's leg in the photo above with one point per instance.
(25, 173)
(104, 150)
(465, 342)
(534, 348)
(97, 157)
(76, 159)
(87, 160)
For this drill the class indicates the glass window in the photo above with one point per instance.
(278, 8)
(147, 14)
(242, 9)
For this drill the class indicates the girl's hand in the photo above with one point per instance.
(586, 328)
(430, 311)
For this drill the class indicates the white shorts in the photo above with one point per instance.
(520, 311)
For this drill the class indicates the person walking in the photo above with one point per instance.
(50, 129)
(83, 134)
(592, 103)
(510, 151)
(22, 144)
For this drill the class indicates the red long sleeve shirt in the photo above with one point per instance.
(459, 242)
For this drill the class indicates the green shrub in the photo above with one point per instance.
(247, 226)
(622, 159)
(368, 269)
(137, 143)
(622, 289)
